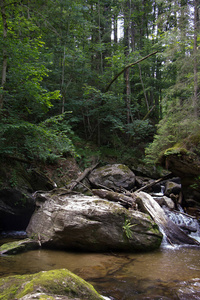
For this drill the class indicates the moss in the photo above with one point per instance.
(55, 282)
(124, 168)
(177, 150)
(18, 246)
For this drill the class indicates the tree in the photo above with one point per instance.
(4, 51)
(196, 30)
(180, 102)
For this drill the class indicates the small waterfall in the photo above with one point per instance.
(172, 230)
(187, 223)
(13, 234)
(160, 193)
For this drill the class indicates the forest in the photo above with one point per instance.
(117, 78)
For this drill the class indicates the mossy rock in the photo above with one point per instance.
(113, 176)
(47, 285)
(18, 246)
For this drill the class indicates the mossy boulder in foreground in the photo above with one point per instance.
(55, 284)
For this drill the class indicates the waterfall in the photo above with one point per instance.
(187, 223)
(171, 231)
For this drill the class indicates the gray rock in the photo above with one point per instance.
(90, 223)
(172, 188)
(113, 176)
(165, 201)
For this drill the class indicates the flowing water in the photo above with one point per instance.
(168, 273)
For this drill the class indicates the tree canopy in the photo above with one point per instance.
(74, 72)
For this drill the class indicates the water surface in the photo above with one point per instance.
(168, 273)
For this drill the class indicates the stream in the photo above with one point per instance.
(167, 273)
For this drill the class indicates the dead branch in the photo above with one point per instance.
(74, 183)
(128, 66)
(153, 183)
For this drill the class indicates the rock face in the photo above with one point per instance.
(90, 223)
(16, 209)
(184, 161)
(113, 176)
(55, 284)
(17, 183)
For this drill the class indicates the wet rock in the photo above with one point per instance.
(18, 246)
(171, 230)
(165, 201)
(172, 188)
(114, 176)
(142, 181)
(55, 284)
(76, 221)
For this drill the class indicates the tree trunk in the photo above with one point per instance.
(127, 48)
(195, 98)
(127, 201)
(4, 54)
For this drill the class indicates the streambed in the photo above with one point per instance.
(168, 273)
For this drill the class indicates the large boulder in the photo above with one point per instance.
(55, 284)
(114, 176)
(89, 223)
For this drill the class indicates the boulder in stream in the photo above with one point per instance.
(56, 284)
(74, 221)
(114, 176)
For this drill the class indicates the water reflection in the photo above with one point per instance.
(163, 274)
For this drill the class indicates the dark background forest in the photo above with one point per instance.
(58, 62)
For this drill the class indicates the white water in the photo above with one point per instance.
(185, 222)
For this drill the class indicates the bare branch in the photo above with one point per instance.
(128, 66)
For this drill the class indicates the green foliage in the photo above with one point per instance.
(127, 228)
(13, 179)
(140, 130)
(27, 67)
(177, 125)
(69, 52)
(196, 184)
(46, 141)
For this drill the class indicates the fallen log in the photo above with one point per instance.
(126, 201)
(74, 183)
